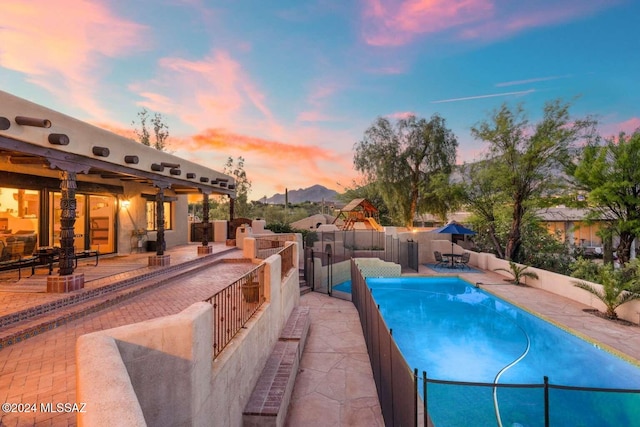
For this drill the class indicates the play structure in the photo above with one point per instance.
(359, 214)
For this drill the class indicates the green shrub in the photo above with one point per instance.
(585, 269)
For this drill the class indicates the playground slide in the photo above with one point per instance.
(374, 224)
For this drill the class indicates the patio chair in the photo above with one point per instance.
(463, 261)
(440, 260)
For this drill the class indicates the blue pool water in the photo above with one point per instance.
(453, 331)
(343, 287)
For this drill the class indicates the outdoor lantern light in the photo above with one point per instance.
(125, 204)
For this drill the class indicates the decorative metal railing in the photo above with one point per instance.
(287, 255)
(234, 305)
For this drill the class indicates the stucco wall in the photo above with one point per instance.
(163, 368)
(166, 362)
(556, 284)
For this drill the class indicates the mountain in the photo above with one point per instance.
(315, 193)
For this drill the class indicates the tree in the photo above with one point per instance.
(235, 168)
(160, 130)
(403, 159)
(142, 133)
(611, 175)
(526, 161)
(480, 195)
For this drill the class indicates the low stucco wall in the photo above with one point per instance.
(237, 368)
(160, 372)
(556, 284)
(150, 373)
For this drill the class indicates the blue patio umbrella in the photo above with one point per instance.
(453, 227)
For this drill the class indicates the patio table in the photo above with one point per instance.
(452, 258)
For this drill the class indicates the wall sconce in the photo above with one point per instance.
(125, 204)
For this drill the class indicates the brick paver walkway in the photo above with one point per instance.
(42, 369)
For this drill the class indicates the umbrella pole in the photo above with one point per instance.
(452, 257)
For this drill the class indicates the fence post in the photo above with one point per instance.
(424, 393)
(313, 271)
(546, 401)
(393, 411)
(330, 271)
(415, 396)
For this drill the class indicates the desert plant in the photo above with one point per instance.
(616, 289)
(518, 272)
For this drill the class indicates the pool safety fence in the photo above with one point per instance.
(542, 403)
(234, 305)
(314, 278)
(395, 382)
(404, 253)
(346, 244)
(287, 258)
(407, 399)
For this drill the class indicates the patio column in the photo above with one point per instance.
(231, 207)
(205, 248)
(67, 221)
(160, 222)
(66, 281)
(159, 259)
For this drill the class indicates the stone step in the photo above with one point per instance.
(304, 290)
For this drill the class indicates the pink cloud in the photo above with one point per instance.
(61, 45)
(269, 163)
(612, 130)
(399, 22)
(318, 99)
(211, 91)
(313, 116)
(401, 115)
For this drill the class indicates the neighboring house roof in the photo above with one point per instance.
(563, 214)
(460, 217)
(313, 220)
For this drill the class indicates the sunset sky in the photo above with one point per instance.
(291, 85)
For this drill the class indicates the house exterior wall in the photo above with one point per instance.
(101, 161)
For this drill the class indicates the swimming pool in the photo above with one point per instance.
(343, 287)
(455, 332)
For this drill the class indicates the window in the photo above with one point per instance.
(151, 215)
(19, 220)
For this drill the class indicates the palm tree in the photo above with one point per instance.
(615, 290)
(518, 272)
